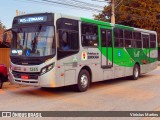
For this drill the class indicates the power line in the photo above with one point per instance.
(93, 5)
(118, 4)
(108, 1)
(74, 3)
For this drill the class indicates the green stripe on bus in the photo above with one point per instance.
(124, 27)
(95, 22)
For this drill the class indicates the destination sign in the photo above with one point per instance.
(32, 19)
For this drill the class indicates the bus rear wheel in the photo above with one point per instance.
(83, 81)
(136, 72)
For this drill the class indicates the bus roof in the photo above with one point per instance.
(116, 25)
(98, 22)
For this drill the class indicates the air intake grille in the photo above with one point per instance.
(26, 62)
(30, 75)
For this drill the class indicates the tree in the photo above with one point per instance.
(136, 13)
(2, 28)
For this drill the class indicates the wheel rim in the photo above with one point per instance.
(136, 72)
(84, 81)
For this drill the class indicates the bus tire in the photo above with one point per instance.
(1, 82)
(136, 72)
(83, 81)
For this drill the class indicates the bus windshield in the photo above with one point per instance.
(33, 41)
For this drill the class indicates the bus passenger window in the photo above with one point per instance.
(118, 42)
(65, 44)
(152, 41)
(89, 35)
(128, 39)
(145, 41)
(68, 40)
(68, 37)
(137, 39)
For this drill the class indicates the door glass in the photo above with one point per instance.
(109, 38)
(106, 38)
(106, 48)
(103, 37)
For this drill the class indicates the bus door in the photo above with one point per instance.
(106, 47)
(146, 48)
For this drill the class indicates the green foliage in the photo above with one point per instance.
(2, 29)
(143, 14)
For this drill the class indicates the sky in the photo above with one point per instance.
(8, 9)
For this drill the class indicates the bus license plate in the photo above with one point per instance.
(25, 77)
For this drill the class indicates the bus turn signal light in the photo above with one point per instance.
(144, 61)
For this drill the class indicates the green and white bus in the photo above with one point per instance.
(53, 50)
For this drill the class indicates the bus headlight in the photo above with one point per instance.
(47, 68)
(50, 67)
(44, 70)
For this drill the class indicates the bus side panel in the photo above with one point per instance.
(108, 74)
(70, 77)
(148, 67)
(59, 75)
(123, 63)
(93, 61)
(66, 74)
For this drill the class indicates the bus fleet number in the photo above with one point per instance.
(34, 69)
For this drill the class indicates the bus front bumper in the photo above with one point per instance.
(42, 80)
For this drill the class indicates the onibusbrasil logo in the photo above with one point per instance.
(21, 114)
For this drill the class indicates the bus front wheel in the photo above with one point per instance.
(83, 81)
(136, 72)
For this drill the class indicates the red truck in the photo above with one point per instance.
(3, 74)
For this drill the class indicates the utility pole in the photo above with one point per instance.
(19, 12)
(113, 11)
